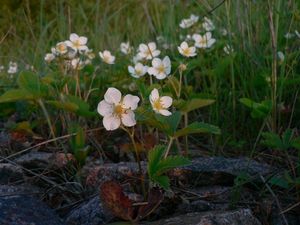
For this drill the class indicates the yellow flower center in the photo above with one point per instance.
(138, 72)
(157, 104)
(77, 43)
(61, 47)
(161, 68)
(203, 41)
(186, 51)
(119, 110)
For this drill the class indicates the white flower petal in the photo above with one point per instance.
(83, 40)
(111, 122)
(160, 76)
(152, 46)
(104, 108)
(165, 112)
(112, 96)
(131, 69)
(74, 37)
(156, 62)
(166, 101)
(154, 95)
(152, 71)
(128, 118)
(131, 101)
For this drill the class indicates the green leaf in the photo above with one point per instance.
(272, 140)
(30, 82)
(196, 103)
(16, 95)
(163, 181)
(69, 106)
(171, 162)
(198, 127)
(83, 107)
(296, 143)
(157, 165)
(258, 110)
(154, 156)
(170, 122)
(279, 181)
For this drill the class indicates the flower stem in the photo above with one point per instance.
(46, 114)
(131, 135)
(169, 147)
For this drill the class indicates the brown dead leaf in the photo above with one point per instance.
(114, 198)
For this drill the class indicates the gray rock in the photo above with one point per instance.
(41, 160)
(10, 173)
(91, 212)
(94, 176)
(236, 217)
(18, 208)
(220, 170)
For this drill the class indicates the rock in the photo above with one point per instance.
(91, 212)
(10, 173)
(94, 176)
(220, 170)
(235, 217)
(18, 208)
(9, 190)
(41, 160)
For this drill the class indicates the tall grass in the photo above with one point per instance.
(29, 28)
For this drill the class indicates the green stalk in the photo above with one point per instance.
(46, 114)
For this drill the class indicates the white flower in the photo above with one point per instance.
(107, 57)
(280, 56)
(186, 23)
(49, 57)
(186, 51)
(116, 110)
(136, 59)
(148, 51)
(89, 53)
(77, 64)
(76, 42)
(160, 104)
(61, 48)
(125, 48)
(297, 33)
(1, 68)
(138, 70)
(13, 68)
(228, 49)
(204, 41)
(160, 68)
(208, 24)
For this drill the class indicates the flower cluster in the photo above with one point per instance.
(74, 52)
(159, 68)
(119, 111)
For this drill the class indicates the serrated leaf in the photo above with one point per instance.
(16, 95)
(154, 156)
(170, 163)
(163, 181)
(198, 127)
